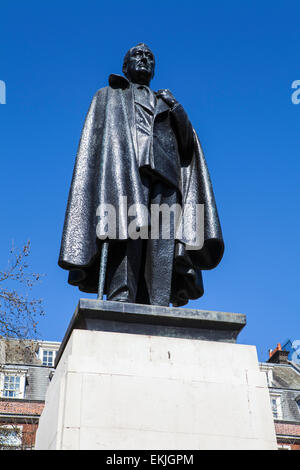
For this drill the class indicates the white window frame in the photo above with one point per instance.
(298, 403)
(269, 374)
(13, 373)
(48, 347)
(278, 405)
(47, 351)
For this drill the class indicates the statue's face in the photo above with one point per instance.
(140, 65)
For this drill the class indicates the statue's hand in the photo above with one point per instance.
(167, 96)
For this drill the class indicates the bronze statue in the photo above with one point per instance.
(139, 145)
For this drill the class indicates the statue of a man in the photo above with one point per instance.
(139, 146)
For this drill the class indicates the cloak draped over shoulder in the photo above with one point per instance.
(106, 168)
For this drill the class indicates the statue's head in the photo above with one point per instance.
(139, 64)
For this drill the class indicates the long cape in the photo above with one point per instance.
(105, 169)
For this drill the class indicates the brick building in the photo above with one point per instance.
(26, 368)
(283, 378)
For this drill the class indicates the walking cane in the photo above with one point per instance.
(102, 270)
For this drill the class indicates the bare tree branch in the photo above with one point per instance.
(18, 310)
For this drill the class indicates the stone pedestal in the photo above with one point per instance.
(174, 380)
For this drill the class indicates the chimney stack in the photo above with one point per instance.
(278, 356)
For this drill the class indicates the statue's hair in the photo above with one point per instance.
(126, 57)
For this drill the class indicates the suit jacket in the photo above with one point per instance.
(106, 168)
(171, 137)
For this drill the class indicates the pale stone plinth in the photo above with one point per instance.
(115, 390)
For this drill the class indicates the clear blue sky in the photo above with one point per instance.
(231, 64)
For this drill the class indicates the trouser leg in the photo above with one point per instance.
(159, 270)
(160, 251)
(126, 259)
(123, 270)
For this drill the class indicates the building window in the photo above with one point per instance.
(48, 357)
(10, 437)
(12, 385)
(269, 374)
(276, 406)
(47, 352)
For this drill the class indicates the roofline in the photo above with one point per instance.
(290, 364)
(18, 416)
(288, 436)
(31, 340)
(9, 364)
(20, 400)
(284, 389)
(285, 421)
(49, 342)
